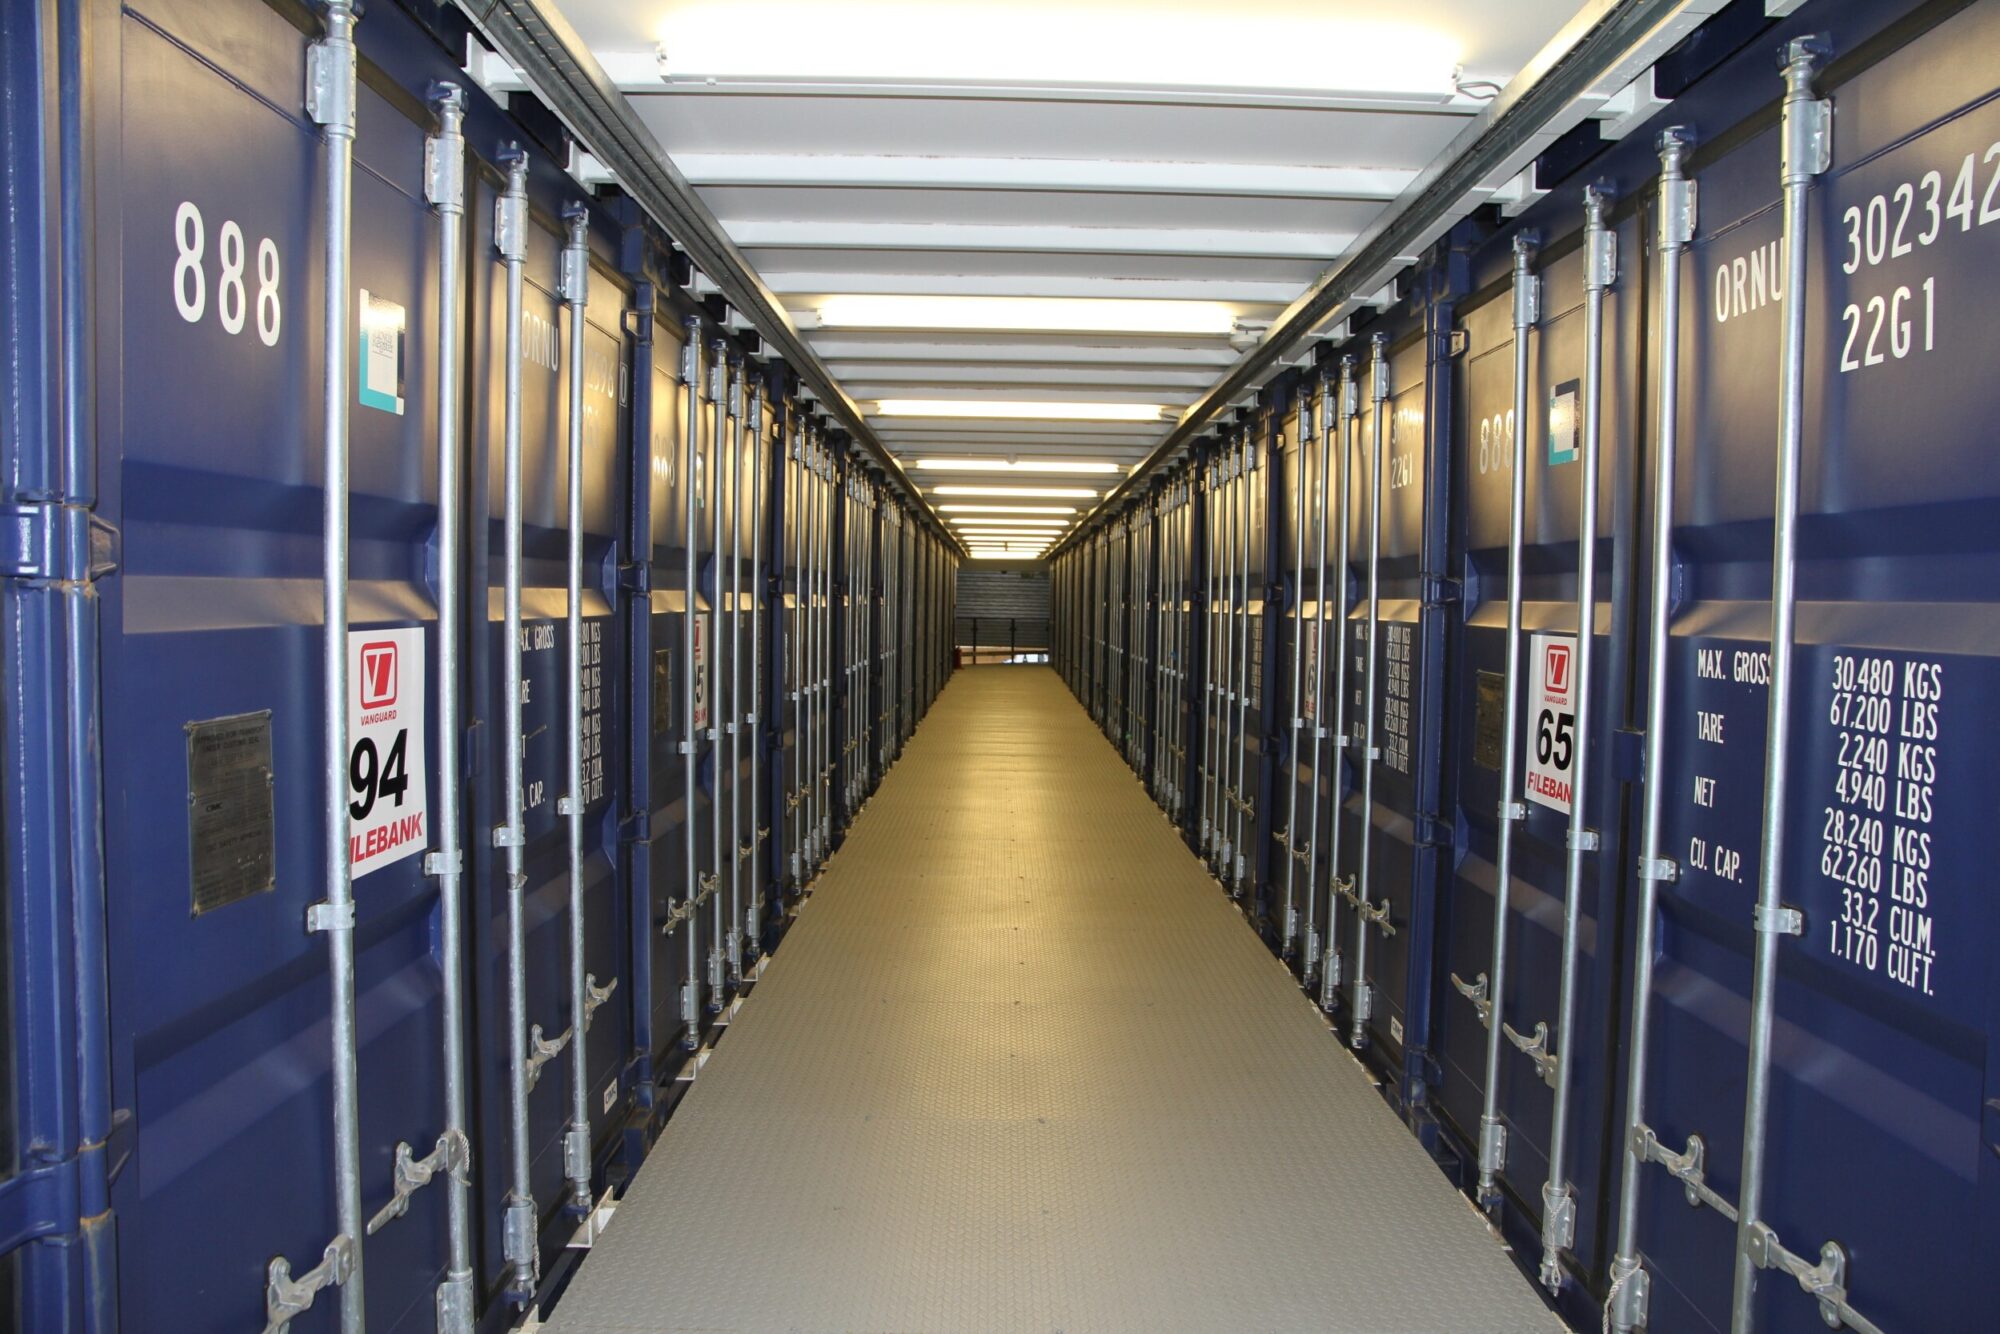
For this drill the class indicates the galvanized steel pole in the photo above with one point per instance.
(753, 918)
(719, 852)
(576, 1137)
(1302, 432)
(1363, 913)
(445, 181)
(1511, 810)
(1807, 146)
(1350, 414)
(332, 92)
(1241, 751)
(1625, 1304)
(521, 1243)
(1315, 944)
(1600, 250)
(736, 709)
(691, 689)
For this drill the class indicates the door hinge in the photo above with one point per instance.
(51, 542)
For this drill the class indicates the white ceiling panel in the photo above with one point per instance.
(969, 126)
(1235, 186)
(1072, 208)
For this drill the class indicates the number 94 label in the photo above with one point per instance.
(387, 802)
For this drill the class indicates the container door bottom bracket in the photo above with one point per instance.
(593, 1225)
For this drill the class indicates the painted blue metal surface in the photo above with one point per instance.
(1885, 1125)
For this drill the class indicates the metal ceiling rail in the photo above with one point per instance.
(1590, 46)
(536, 39)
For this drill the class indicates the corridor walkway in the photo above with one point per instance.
(1021, 1067)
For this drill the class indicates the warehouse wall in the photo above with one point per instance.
(1004, 608)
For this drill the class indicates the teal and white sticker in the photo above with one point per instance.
(1562, 423)
(381, 353)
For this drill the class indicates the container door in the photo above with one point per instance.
(1390, 667)
(1550, 731)
(210, 294)
(545, 335)
(1881, 1137)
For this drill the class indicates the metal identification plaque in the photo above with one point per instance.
(232, 833)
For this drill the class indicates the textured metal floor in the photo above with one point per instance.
(1020, 1066)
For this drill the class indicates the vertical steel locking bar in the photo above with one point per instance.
(808, 591)
(1165, 619)
(1211, 674)
(753, 914)
(815, 697)
(1357, 1036)
(733, 948)
(1337, 885)
(330, 91)
(576, 1137)
(692, 482)
(849, 590)
(1625, 1304)
(822, 797)
(822, 559)
(1172, 663)
(1315, 944)
(1215, 553)
(1807, 146)
(521, 1242)
(795, 641)
(719, 864)
(1230, 741)
(1301, 436)
(1511, 811)
(1600, 259)
(1171, 659)
(1238, 622)
(444, 159)
(1246, 518)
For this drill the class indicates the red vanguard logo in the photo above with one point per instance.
(1555, 672)
(378, 674)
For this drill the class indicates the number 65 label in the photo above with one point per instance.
(1552, 731)
(387, 805)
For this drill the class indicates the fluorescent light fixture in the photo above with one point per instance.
(1011, 525)
(1013, 42)
(1005, 555)
(1018, 492)
(1025, 465)
(1007, 509)
(998, 409)
(1027, 314)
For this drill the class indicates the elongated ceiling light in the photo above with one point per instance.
(1027, 314)
(1005, 555)
(1050, 42)
(1007, 509)
(1023, 465)
(1054, 525)
(994, 409)
(1018, 492)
